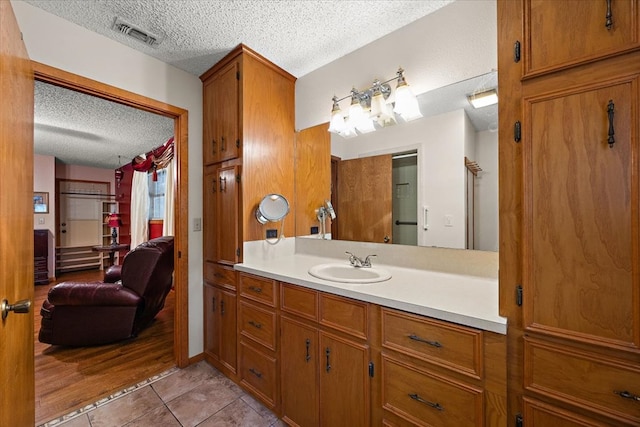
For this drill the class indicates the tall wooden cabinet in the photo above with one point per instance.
(248, 152)
(569, 77)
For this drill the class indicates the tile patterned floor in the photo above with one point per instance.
(198, 395)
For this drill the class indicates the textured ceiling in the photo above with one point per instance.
(300, 36)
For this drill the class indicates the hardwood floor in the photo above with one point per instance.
(69, 378)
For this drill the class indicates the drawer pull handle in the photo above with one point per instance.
(417, 338)
(627, 395)
(416, 397)
(308, 344)
(255, 325)
(609, 16)
(328, 353)
(611, 135)
(254, 289)
(256, 373)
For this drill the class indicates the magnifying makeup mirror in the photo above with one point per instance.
(273, 208)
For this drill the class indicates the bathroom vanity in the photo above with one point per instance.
(424, 347)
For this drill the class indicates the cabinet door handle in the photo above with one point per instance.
(255, 289)
(432, 343)
(416, 397)
(223, 188)
(221, 307)
(255, 325)
(627, 395)
(213, 304)
(609, 16)
(256, 373)
(328, 353)
(213, 186)
(213, 146)
(222, 146)
(610, 112)
(307, 342)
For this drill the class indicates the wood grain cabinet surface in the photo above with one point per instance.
(572, 242)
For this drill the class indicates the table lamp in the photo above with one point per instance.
(113, 220)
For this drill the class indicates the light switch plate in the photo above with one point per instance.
(197, 224)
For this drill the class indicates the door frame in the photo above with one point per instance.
(65, 79)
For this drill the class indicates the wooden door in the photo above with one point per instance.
(209, 131)
(344, 382)
(228, 110)
(581, 242)
(228, 336)
(227, 215)
(364, 199)
(299, 375)
(579, 31)
(209, 210)
(17, 395)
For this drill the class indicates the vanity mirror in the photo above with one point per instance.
(430, 182)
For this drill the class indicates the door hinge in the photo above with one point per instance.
(519, 295)
(237, 75)
(21, 36)
(516, 51)
(237, 252)
(371, 369)
(519, 421)
(179, 254)
(237, 143)
(238, 178)
(517, 131)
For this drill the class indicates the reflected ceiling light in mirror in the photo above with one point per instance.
(371, 106)
(483, 99)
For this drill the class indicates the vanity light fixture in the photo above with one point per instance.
(371, 105)
(483, 99)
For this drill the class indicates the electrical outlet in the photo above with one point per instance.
(197, 224)
(314, 230)
(448, 220)
(272, 233)
(41, 220)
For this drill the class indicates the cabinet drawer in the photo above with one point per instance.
(258, 324)
(258, 373)
(537, 413)
(344, 314)
(427, 399)
(258, 289)
(221, 275)
(582, 378)
(299, 301)
(445, 344)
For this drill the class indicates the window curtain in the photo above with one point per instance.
(139, 209)
(169, 197)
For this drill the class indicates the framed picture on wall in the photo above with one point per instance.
(40, 202)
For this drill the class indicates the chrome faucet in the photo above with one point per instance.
(358, 262)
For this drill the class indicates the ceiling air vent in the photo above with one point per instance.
(135, 32)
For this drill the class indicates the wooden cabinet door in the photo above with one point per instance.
(344, 382)
(228, 110)
(211, 321)
(209, 195)
(227, 215)
(209, 122)
(568, 32)
(228, 336)
(299, 375)
(581, 208)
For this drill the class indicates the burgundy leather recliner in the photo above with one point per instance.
(95, 313)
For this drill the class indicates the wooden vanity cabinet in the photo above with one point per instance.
(259, 349)
(436, 373)
(569, 210)
(220, 318)
(325, 359)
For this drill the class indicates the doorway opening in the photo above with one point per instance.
(404, 184)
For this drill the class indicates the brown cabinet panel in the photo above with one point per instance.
(300, 361)
(581, 241)
(220, 335)
(344, 382)
(542, 414)
(442, 343)
(258, 324)
(560, 34)
(258, 373)
(300, 301)
(346, 315)
(258, 289)
(228, 112)
(226, 217)
(428, 399)
(583, 379)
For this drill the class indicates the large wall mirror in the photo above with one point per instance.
(429, 182)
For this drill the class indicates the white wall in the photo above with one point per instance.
(455, 43)
(61, 44)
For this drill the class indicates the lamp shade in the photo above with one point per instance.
(113, 220)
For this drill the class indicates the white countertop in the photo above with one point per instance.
(463, 299)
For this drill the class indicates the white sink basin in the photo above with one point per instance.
(346, 273)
